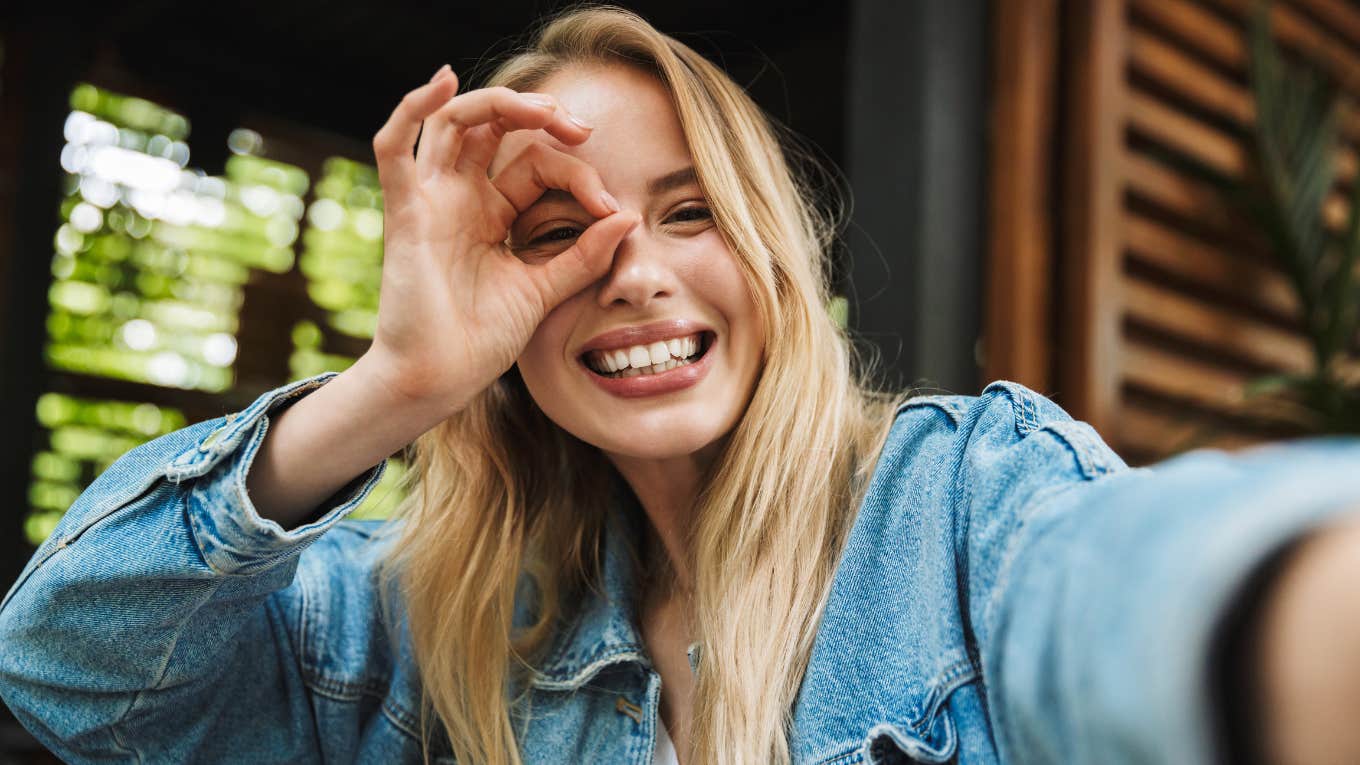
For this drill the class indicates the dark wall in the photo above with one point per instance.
(916, 155)
(343, 64)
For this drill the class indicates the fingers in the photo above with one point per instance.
(481, 143)
(580, 265)
(539, 168)
(486, 115)
(394, 142)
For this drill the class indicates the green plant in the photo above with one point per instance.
(1296, 142)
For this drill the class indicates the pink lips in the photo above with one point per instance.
(642, 335)
(643, 385)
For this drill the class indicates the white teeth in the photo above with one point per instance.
(652, 369)
(639, 357)
(659, 356)
(659, 352)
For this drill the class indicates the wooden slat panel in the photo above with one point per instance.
(1166, 64)
(1298, 32)
(1175, 193)
(1194, 382)
(1193, 200)
(1223, 44)
(1340, 15)
(1181, 74)
(1020, 273)
(1198, 322)
(1186, 134)
(1199, 27)
(1158, 433)
(1151, 242)
(1091, 203)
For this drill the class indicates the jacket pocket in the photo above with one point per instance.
(890, 744)
(933, 737)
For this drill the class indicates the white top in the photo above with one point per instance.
(665, 748)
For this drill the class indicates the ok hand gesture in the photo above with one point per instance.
(456, 306)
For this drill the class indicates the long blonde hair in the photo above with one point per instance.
(503, 493)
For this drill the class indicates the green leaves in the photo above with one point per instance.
(1296, 143)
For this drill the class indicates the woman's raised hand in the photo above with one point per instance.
(457, 306)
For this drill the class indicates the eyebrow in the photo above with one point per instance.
(672, 180)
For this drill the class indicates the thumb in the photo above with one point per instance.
(576, 267)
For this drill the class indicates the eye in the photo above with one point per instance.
(690, 214)
(559, 234)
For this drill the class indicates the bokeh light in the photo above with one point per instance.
(150, 265)
(85, 436)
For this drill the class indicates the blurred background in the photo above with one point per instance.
(1106, 200)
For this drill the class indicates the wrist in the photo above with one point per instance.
(389, 388)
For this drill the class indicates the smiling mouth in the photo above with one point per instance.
(650, 359)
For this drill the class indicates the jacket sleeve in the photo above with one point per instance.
(1095, 590)
(157, 622)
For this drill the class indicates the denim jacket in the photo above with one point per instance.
(1010, 592)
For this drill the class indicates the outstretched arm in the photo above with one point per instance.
(1099, 597)
(1299, 655)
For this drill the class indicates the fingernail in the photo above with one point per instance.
(537, 100)
(578, 122)
(440, 72)
(610, 201)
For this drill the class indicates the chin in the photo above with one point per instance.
(655, 438)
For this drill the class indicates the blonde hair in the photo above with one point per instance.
(503, 493)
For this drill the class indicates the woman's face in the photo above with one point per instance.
(673, 293)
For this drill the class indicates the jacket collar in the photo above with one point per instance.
(603, 631)
(869, 686)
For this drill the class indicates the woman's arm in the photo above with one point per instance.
(1095, 593)
(161, 621)
(356, 421)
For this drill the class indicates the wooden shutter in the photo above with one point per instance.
(1167, 301)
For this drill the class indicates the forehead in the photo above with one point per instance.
(636, 136)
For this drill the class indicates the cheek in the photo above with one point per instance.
(710, 269)
(543, 355)
(721, 280)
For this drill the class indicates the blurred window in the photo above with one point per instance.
(152, 262)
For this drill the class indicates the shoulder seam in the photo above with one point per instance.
(1078, 436)
(1022, 402)
(954, 407)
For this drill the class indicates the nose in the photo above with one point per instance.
(638, 275)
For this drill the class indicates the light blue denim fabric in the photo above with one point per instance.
(1010, 592)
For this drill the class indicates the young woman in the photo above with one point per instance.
(659, 516)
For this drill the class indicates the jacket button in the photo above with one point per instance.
(211, 439)
(624, 707)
